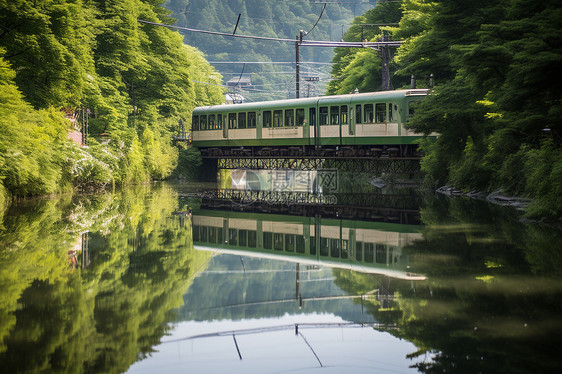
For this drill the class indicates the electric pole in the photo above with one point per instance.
(385, 71)
(297, 47)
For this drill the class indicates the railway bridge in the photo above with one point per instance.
(354, 132)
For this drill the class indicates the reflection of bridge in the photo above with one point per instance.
(392, 208)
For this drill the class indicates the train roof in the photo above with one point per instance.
(354, 97)
(303, 259)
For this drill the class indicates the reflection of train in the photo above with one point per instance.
(370, 247)
(366, 124)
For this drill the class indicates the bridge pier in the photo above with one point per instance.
(209, 170)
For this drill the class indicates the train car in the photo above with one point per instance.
(370, 247)
(360, 124)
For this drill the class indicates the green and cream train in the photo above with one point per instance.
(361, 124)
(368, 247)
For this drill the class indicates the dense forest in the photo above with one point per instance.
(131, 82)
(77, 299)
(496, 101)
(270, 18)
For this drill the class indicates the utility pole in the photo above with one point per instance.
(297, 47)
(385, 71)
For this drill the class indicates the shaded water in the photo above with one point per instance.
(164, 278)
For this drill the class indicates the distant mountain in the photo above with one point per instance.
(270, 18)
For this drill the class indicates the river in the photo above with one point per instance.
(277, 276)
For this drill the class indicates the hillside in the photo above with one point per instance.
(270, 18)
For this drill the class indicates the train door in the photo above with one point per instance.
(259, 124)
(312, 115)
(224, 125)
(354, 117)
(340, 120)
(300, 120)
(345, 122)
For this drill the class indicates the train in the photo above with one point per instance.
(367, 247)
(357, 124)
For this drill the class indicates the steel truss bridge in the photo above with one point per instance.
(389, 160)
(393, 166)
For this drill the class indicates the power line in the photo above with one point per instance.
(339, 2)
(308, 43)
(269, 62)
(318, 20)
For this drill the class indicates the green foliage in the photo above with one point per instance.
(543, 168)
(189, 162)
(359, 68)
(135, 80)
(77, 299)
(497, 98)
(31, 142)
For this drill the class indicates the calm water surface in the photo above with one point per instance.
(183, 278)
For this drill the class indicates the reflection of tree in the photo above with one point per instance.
(493, 296)
(101, 319)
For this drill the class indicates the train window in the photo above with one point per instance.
(334, 115)
(219, 121)
(369, 252)
(390, 112)
(251, 120)
(368, 113)
(312, 116)
(242, 238)
(289, 242)
(212, 122)
(359, 251)
(232, 236)
(195, 123)
(277, 118)
(203, 233)
(299, 245)
(252, 239)
(267, 120)
(212, 234)
(232, 121)
(324, 247)
(343, 114)
(381, 254)
(358, 113)
(335, 248)
(278, 241)
(219, 235)
(203, 122)
(241, 120)
(323, 115)
(267, 240)
(195, 232)
(300, 117)
(380, 112)
(290, 117)
(411, 107)
(313, 245)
